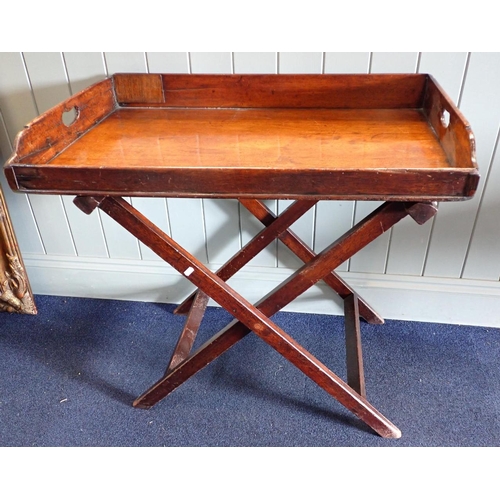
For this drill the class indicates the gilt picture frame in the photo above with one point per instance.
(15, 290)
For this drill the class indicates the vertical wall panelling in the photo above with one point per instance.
(48, 79)
(187, 225)
(49, 84)
(222, 223)
(53, 224)
(409, 241)
(250, 227)
(333, 218)
(87, 230)
(22, 216)
(84, 69)
(483, 260)
(347, 62)
(211, 62)
(125, 62)
(18, 108)
(303, 228)
(373, 258)
(185, 216)
(155, 209)
(448, 68)
(222, 229)
(16, 98)
(168, 62)
(480, 103)
(298, 62)
(256, 62)
(120, 243)
(394, 62)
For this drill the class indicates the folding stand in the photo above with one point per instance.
(255, 318)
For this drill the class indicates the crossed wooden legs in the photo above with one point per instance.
(255, 318)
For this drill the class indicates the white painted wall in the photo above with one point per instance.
(445, 271)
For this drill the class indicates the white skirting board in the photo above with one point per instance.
(413, 298)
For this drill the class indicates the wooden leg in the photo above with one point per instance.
(301, 250)
(190, 330)
(363, 233)
(354, 355)
(197, 307)
(296, 245)
(422, 212)
(87, 204)
(254, 318)
(292, 351)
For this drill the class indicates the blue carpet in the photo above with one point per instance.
(69, 376)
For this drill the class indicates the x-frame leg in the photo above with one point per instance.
(274, 227)
(195, 305)
(299, 248)
(256, 318)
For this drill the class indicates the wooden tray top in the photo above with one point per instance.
(384, 137)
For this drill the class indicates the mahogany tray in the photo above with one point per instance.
(375, 137)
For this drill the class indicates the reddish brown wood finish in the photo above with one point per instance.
(422, 212)
(190, 330)
(87, 204)
(47, 135)
(395, 185)
(297, 246)
(131, 87)
(456, 138)
(354, 354)
(275, 91)
(375, 137)
(330, 139)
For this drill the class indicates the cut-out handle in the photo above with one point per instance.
(445, 118)
(70, 116)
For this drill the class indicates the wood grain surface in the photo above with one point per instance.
(275, 138)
